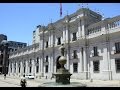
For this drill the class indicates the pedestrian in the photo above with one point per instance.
(23, 81)
(4, 76)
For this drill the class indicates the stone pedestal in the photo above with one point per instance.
(63, 76)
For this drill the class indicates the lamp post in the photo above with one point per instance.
(4, 45)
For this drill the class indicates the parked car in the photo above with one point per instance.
(30, 77)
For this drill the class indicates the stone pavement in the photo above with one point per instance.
(37, 82)
(16, 81)
(99, 83)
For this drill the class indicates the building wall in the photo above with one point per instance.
(3, 37)
(13, 45)
(36, 33)
(101, 34)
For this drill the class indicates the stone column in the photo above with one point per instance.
(21, 68)
(27, 67)
(34, 64)
(67, 34)
(41, 44)
(81, 62)
(79, 29)
(49, 63)
(52, 64)
(12, 68)
(106, 58)
(51, 40)
(42, 66)
(67, 56)
(82, 28)
(17, 68)
(9, 69)
(39, 65)
(85, 59)
(64, 36)
(33, 67)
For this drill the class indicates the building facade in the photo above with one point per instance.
(12, 46)
(36, 38)
(92, 48)
(2, 37)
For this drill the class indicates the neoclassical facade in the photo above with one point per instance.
(92, 48)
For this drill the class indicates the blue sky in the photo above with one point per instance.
(18, 20)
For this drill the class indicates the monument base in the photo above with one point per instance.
(53, 84)
(62, 76)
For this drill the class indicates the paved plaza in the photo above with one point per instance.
(15, 82)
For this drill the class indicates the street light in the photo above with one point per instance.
(4, 46)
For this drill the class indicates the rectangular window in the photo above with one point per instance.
(46, 58)
(30, 62)
(37, 60)
(95, 51)
(74, 37)
(30, 69)
(24, 69)
(96, 66)
(19, 69)
(75, 67)
(75, 54)
(46, 68)
(117, 47)
(46, 44)
(117, 64)
(59, 41)
(37, 69)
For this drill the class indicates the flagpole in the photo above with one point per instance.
(60, 10)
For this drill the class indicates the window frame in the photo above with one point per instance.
(74, 36)
(46, 69)
(116, 65)
(96, 69)
(75, 68)
(95, 51)
(117, 47)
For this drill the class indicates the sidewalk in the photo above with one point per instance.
(16, 81)
(99, 83)
(37, 82)
(94, 83)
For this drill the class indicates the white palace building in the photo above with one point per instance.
(92, 48)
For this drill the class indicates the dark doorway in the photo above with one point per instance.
(57, 63)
